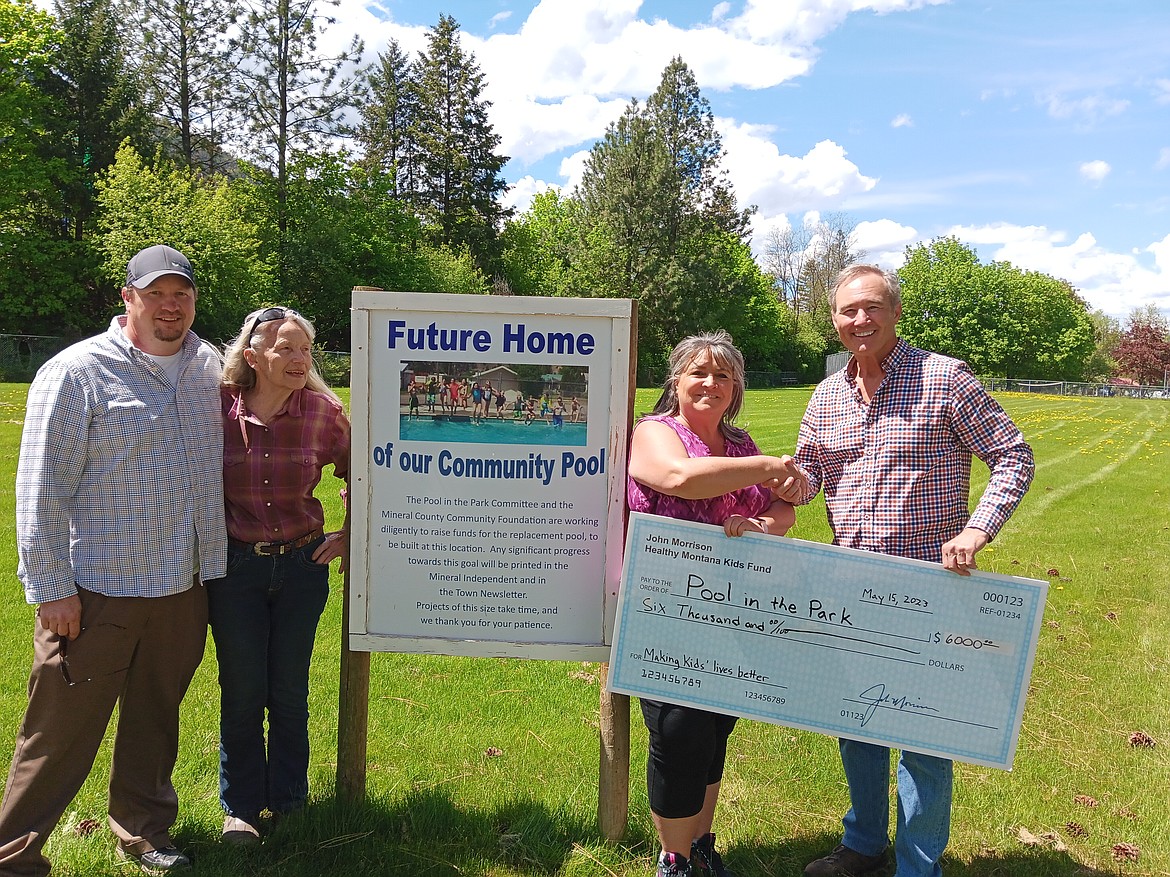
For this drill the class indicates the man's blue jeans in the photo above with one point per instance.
(263, 619)
(924, 806)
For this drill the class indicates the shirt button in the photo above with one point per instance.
(267, 455)
(267, 503)
(265, 480)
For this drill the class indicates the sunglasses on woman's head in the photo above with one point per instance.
(267, 316)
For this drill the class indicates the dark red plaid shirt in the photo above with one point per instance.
(270, 470)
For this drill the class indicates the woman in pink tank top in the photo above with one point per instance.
(688, 460)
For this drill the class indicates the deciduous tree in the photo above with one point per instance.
(1000, 320)
(1143, 352)
(208, 219)
(346, 230)
(538, 246)
(803, 259)
(1106, 335)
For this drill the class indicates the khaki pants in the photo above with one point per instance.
(138, 652)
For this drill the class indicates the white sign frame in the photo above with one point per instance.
(371, 316)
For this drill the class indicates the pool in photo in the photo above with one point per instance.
(490, 431)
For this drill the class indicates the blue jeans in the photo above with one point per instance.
(263, 619)
(924, 806)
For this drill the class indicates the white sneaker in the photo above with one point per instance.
(239, 832)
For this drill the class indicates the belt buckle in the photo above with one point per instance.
(262, 549)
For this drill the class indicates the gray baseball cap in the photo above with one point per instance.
(152, 263)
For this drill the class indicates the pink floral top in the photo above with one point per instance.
(747, 501)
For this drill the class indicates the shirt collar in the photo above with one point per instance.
(889, 364)
(292, 406)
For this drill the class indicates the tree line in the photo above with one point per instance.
(290, 174)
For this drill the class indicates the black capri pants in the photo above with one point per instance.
(687, 749)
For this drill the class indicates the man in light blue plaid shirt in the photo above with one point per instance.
(120, 519)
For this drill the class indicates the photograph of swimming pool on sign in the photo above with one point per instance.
(513, 403)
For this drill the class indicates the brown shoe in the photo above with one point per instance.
(240, 832)
(844, 862)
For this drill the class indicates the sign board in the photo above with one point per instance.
(488, 474)
(843, 642)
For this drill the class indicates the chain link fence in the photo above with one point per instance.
(22, 355)
(1076, 388)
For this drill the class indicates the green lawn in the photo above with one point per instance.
(1096, 524)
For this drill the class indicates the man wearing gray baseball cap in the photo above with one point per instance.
(120, 520)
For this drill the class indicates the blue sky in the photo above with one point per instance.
(1037, 131)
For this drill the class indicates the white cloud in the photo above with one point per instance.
(1095, 171)
(806, 21)
(529, 130)
(902, 120)
(499, 18)
(1088, 110)
(520, 194)
(1163, 161)
(1114, 282)
(779, 183)
(1162, 91)
(572, 168)
(375, 26)
(885, 241)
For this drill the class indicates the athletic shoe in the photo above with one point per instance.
(160, 862)
(705, 859)
(673, 865)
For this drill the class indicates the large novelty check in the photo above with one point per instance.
(842, 642)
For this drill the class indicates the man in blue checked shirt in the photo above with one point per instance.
(890, 439)
(119, 519)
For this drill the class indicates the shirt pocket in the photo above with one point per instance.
(234, 457)
(123, 422)
(301, 457)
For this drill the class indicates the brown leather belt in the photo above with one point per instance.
(272, 549)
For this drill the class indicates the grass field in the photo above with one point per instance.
(441, 801)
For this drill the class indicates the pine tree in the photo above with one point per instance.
(459, 183)
(291, 94)
(100, 96)
(187, 73)
(694, 182)
(660, 222)
(389, 116)
(623, 197)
